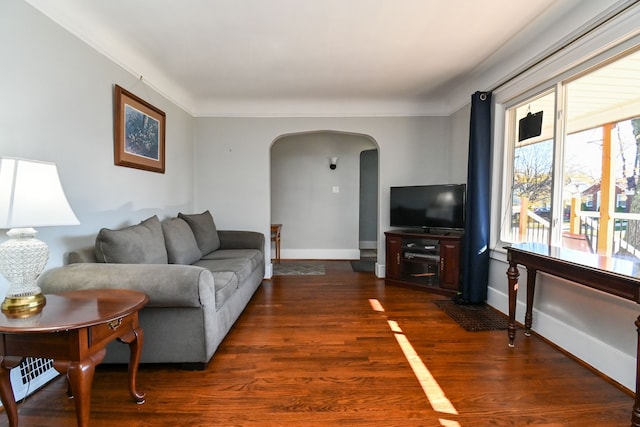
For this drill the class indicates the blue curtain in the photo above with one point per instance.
(475, 262)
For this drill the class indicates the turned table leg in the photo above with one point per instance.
(512, 274)
(531, 288)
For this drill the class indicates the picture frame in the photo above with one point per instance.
(139, 132)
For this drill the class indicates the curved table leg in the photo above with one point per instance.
(80, 375)
(135, 339)
(6, 391)
(62, 366)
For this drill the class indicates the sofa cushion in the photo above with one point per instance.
(226, 284)
(204, 230)
(239, 266)
(181, 244)
(255, 256)
(137, 244)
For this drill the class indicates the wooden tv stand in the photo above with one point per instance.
(430, 261)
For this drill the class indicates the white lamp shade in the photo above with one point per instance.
(31, 195)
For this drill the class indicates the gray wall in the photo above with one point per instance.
(459, 144)
(233, 167)
(57, 105)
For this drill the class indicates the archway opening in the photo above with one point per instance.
(326, 212)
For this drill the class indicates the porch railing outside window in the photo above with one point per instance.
(619, 240)
(527, 226)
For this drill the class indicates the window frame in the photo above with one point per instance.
(569, 66)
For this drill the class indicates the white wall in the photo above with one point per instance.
(57, 105)
(318, 223)
(233, 161)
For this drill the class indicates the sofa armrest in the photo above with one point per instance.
(166, 285)
(231, 239)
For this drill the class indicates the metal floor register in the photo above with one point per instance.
(31, 374)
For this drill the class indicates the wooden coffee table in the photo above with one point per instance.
(73, 329)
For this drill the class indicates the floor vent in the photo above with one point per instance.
(30, 375)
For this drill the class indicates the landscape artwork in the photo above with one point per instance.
(139, 130)
(141, 134)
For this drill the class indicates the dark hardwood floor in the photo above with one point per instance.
(312, 351)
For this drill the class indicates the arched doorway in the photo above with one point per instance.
(320, 207)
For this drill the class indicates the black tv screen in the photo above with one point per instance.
(428, 206)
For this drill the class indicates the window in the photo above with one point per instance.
(574, 151)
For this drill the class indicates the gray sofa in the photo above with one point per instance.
(198, 279)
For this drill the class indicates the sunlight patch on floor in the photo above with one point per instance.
(432, 389)
(449, 423)
(375, 304)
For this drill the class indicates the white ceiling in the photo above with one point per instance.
(296, 57)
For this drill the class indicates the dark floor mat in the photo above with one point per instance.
(474, 317)
(363, 265)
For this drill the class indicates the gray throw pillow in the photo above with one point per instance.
(182, 247)
(204, 230)
(137, 244)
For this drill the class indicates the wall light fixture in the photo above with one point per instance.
(333, 163)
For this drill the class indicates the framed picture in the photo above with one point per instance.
(139, 133)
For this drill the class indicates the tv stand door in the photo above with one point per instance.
(450, 265)
(394, 252)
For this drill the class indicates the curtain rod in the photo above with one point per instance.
(616, 11)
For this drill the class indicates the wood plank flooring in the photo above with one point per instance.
(312, 351)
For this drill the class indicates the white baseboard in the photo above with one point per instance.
(268, 271)
(380, 271)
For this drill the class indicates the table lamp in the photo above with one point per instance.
(30, 196)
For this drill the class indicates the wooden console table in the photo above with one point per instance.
(73, 329)
(614, 276)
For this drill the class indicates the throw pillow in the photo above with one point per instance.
(137, 244)
(204, 230)
(182, 247)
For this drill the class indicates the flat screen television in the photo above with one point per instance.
(438, 207)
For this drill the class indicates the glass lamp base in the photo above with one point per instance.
(23, 306)
(22, 259)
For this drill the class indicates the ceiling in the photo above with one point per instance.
(299, 57)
